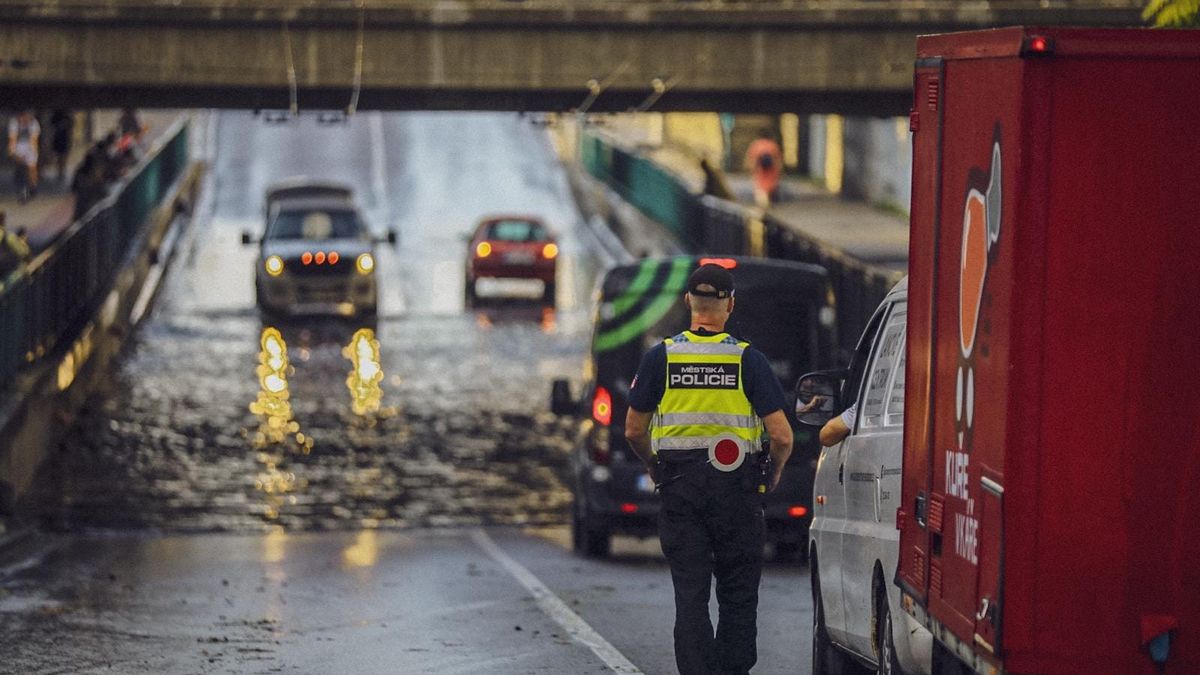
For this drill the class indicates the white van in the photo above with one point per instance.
(853, 541)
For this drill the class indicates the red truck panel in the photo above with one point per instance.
(1054, 344)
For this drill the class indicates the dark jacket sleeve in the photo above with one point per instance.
(646, 390)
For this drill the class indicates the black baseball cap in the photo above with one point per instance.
(717, 280)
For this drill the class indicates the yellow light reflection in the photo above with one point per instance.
(278, 433)
(274, 545)
(366, 373)
(364, 552)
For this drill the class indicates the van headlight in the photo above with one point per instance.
(274, 265)
(366, 263)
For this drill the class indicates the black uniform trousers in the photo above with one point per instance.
(711, 524)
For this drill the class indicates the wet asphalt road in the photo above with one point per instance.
(212, 525)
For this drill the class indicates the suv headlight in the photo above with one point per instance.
(274, 265)
(365, 263)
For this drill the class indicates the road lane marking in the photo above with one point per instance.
(555, 608)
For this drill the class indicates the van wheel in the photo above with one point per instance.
(885, 646)
(577, 533)
(826, 658)
(598, 544)
(588, 539)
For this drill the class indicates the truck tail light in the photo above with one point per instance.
(629, 507)
(1037, 45)
(798, 511)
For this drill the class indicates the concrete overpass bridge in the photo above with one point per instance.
(847, 56)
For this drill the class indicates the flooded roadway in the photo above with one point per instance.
(458, 432)
(404, 437)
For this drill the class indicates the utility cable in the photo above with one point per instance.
(293, 104)
(358, 59)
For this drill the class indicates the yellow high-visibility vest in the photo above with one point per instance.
(703, 401)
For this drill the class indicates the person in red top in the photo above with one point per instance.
(764, 161)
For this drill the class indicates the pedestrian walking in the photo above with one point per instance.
(24, 136)
(62, 129)
(90, 183)
(697, 411)
(764, 161)
(129, 124)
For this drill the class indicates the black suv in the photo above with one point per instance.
(784, 309)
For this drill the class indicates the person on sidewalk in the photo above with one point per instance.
(764, 161)
(24, 136)
(90, 183)
(62, 129)
(714, 181)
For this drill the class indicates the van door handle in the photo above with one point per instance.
(842, 473)
(878, 495)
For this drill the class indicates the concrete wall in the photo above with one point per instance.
(866, 159)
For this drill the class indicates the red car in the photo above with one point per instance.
(512, 247)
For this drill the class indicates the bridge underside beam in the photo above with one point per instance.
(800, 61)
(879, 103)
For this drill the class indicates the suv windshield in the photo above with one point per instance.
(315, 224)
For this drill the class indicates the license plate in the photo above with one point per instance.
(645, 484)
(519, 258)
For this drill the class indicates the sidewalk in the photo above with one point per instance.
(48, 214)
(863, 231)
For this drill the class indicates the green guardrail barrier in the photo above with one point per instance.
(46, 304)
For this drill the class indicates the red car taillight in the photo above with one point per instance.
(602, 414)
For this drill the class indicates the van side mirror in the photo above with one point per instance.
(561, 401)
(246, 239)
(391, 237)
(816, 397)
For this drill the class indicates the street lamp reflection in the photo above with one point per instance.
(366, 373)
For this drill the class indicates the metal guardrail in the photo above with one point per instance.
(705, 224)
(45, 305)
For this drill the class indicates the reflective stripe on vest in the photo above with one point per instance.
(704, 401)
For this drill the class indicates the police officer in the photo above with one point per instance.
(694, 419)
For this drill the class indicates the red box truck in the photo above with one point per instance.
(1050, 513)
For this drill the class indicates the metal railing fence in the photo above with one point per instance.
(45, 305)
